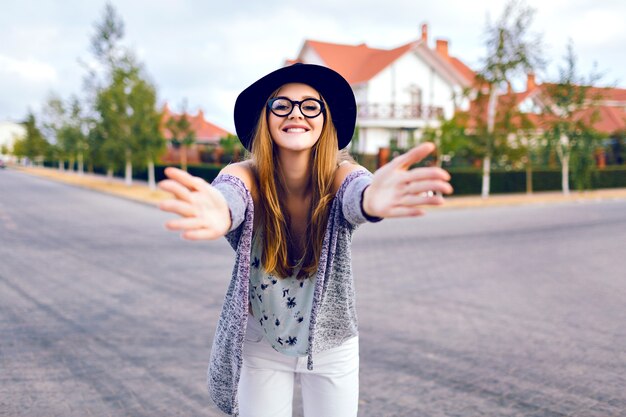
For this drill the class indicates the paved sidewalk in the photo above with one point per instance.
(139, 191)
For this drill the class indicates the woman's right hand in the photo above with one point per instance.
(204, 211)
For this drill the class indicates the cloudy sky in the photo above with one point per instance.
(205, 52)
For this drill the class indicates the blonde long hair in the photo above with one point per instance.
(275, 221)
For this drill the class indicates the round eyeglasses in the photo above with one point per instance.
(283, 106)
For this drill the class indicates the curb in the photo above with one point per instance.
(139, 192)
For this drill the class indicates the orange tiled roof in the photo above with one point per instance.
(608, 93)
(206, 132)
(360, 63)
(466, 71)
(604, 119)
(357, 63)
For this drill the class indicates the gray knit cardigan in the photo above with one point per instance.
(333, 313)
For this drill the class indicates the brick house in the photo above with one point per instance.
(208, 136)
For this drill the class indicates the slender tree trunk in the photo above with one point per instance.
(529, 178)
(61, 165)
(564, 154)
(486, 176)
(491, 121)
(128, 172)
(71, 165)
(109, 174)
(81, 164)
(565, 174)
(183, 157)
(151, 176)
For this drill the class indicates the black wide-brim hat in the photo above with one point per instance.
(332, 87)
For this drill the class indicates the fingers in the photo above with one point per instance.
(421, 200)
(180, 192)
(185, 178)
(201, 234)
(181, 208)
(181, 183)
(191, 223)
(193, 229)
(418, 187)
(413, 156)
(402, 211)
(417, 174)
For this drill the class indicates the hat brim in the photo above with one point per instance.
(331, 85)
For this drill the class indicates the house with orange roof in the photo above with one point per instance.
(604, 111)
(605, 107)
(399, 91)
(208, 137)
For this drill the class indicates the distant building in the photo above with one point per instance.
(208, 136)
(9, 133)
(605, 109)
(399, 91)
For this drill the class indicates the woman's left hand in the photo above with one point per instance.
(397, 191)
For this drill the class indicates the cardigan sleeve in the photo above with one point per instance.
(238, 199)
(351, 194)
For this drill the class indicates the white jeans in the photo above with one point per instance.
(331, 389)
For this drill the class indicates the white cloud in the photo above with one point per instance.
(28, 69)
(208, 51)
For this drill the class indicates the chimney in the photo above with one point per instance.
(200, 115)
(530, 82)
(509, 88)
(425, 33)
(442, 48)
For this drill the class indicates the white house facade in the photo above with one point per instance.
(9, 133)
(399, 92)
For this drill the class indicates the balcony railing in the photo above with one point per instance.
(398, 111)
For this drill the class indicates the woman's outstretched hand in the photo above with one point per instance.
(204, 211)
(397, 191)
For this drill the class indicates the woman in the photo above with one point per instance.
(289, 213)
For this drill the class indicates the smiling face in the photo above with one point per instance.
(296, 132)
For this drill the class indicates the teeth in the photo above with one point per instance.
(296, 130)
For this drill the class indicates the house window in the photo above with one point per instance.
(415, 96)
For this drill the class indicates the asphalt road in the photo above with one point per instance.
(514, 311)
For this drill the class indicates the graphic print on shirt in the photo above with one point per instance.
(285, 331)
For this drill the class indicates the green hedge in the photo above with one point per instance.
(206, 171)
(466, 181)
(469, 181)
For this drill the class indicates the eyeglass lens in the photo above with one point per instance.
(284, 107)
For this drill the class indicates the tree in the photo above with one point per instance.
(570, 116)
(33, 146)
(182, 133)
(510, 49)
(66, 126)
(105, 43)
(126, 120)
(450, 137)
(145, 123)
(232, 146)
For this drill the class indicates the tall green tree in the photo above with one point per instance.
(568, 128)
(33, 145)
(66, 127)
(126, 119)
(145, 123)
(511, 49)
